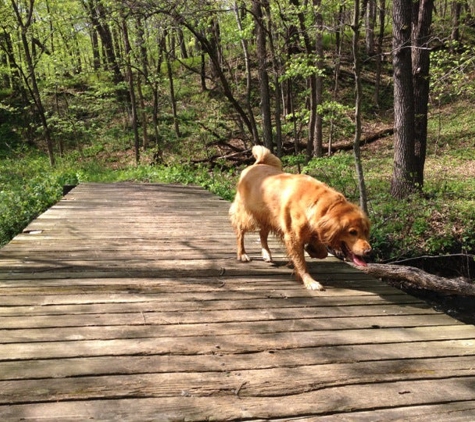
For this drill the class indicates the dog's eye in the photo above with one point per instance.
(354, 232)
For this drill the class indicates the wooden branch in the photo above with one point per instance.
(420, 279)
(347, 146)
(242, 157)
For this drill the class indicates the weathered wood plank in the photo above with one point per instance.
(286, 358)
(273, 382)
(450, 411)
(122, 326)
(229, 344)
(146, 302)
(231, 406)
(213, 316)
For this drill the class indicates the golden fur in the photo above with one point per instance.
(302, 211)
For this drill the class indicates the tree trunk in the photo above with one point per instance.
(403, 181)
(456, 12)
(370, 22)
(358, 95)
(277, 70)
(130, 80)
(263, 76)
(318, 140)
(379, 50)
(98, 16)
(422, 20)
(313, 149)
(247, 61)
(172, 96)
(141, 46)
(411, 29)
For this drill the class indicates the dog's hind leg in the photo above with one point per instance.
(266, 255)
(241, 251)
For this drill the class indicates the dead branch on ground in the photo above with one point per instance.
(420, 279)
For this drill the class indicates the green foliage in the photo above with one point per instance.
(301, 66)
(421, 226)
(452, 70)
(338, 171)
(25, 192)
(337, 121)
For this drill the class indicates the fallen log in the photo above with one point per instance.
(420, 279)
(347, 146)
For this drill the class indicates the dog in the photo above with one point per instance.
(303, 212)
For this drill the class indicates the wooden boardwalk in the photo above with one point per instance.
(124, 302)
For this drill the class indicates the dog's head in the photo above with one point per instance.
(345, 228)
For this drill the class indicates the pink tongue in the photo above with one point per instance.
(357, 260)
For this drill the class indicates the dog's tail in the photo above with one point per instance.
(264, 156)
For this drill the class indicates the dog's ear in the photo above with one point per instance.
(328, 229)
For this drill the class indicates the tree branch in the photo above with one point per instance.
(420, 279)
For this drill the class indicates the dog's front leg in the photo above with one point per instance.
(266, 255)
(296, 253)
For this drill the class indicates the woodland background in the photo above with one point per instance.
(373, 97)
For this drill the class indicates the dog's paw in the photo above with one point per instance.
(311, 284)
(244, 258)
(266, 256)
(315, 285)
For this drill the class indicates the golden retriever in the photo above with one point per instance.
(302, 211)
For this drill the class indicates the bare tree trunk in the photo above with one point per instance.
(411, 29)
(313, 149)
(456, 12)
(130, 80)
(263, 76)
(422, 21)
(156, 107)
(403, 180)
(277, 85)
(338, 44)
(318, 141)
(379, 50)
(172, 94)
(98, 16)
(141, 47)
(336, 77)
(370, 21)
(248, 74)
(358, 94)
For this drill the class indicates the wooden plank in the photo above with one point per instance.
(248, 383)
(426, 353)
(229, 344)
(231, 406)
(131, 326)
(194, 317)
(146, 302)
